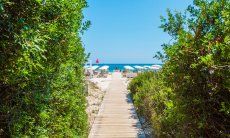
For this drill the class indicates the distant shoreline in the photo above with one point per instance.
(113, 66)
(128, 64)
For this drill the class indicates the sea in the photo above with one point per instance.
(113, 67)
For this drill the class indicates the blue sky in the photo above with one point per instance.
(127, 31)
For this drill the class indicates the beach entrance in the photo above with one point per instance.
(117, 116)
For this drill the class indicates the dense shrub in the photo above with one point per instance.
(41, 58)
(196, 69)
(152, 99)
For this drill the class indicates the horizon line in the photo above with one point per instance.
(127, 63)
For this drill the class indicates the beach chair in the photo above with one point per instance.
(131, 75)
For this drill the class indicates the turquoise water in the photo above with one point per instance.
(113, 67)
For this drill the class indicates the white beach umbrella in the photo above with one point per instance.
(95, 67)
(104, 67)
(128, 68)
(146, 67)
(155, 67)
(86, 67)
(138, 67)
(158, 66)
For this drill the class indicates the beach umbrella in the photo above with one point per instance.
(104, 67)
(128, 68)
(139, 67)
(86, 67)
(146, 67)
(157, 66)
(154, 68)
(95, 67)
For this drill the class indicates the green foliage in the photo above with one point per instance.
(41, 83)
(196, 69)
(152, 99)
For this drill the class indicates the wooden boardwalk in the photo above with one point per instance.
(117, 117)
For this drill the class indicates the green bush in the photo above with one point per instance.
(197, 67)
(190, 96)
(152, 99)
(41, 74)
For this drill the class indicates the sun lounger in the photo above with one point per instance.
(131, 75)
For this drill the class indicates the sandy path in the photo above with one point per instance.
(117, 116)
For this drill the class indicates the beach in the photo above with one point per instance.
(96, 88)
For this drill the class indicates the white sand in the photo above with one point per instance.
(96, 90)
(125, 81)
(102, 83)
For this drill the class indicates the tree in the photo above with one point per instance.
(197, 68)
(41, 74)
